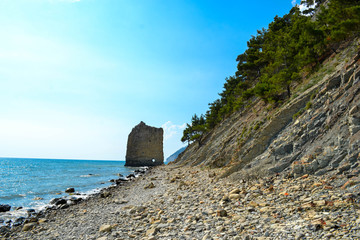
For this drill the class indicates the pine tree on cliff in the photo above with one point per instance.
(195, 131)
(278, 56)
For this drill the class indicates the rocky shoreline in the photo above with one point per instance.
(170, 202)
(27, 215)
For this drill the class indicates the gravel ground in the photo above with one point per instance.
(189, 203)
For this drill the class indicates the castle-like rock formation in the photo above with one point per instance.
(145, 146)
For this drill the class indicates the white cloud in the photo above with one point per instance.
(171, 129)
(302, 7)
(172, 136)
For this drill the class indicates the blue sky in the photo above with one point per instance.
(77, 75)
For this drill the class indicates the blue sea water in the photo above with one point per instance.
(22, 180)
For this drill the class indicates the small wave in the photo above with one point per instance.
(13, 196)
(92, 191)
(14, 214)
(90, 175)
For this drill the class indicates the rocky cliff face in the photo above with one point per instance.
(315, 132)
(145, 146)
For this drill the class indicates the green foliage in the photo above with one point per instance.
(195, 131)
(275, 58)
(212, 115)
(308, 105)
(296, 115)
(340, 20)
(258, 125)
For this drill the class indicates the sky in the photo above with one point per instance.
(77, 75)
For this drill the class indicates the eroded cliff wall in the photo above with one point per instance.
(316, 131)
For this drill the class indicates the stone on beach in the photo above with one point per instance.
(152, 231)
(5, 207)
(29, 226)
(58, 201)
(70, 190)
(105, 228)
(234, 196)
(150, 185)
(102, 238)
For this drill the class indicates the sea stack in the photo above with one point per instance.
(145, 146)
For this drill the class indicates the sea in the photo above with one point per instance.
(31, 183)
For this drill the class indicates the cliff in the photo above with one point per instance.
(315, 131)
(145, 146)
(173, 156)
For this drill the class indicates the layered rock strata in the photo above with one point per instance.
(315, 132)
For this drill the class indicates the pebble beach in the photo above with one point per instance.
(170, 202)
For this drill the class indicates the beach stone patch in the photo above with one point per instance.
(275, 207)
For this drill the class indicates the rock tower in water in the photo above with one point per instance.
(145, 146)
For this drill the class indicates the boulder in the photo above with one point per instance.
(4, 207)
(70, 190)
(19, 221)
(58, 201)
(30, 211)
(29, 226)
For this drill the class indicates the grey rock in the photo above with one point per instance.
(70, 190)
(4, 230)
(284, 149)
(344, 168)
(145, 146)
(29, 226)
(5, 207)
(324, 161)
(335, 163)
(58, 201)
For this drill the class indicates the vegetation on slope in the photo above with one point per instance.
(278, 57)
